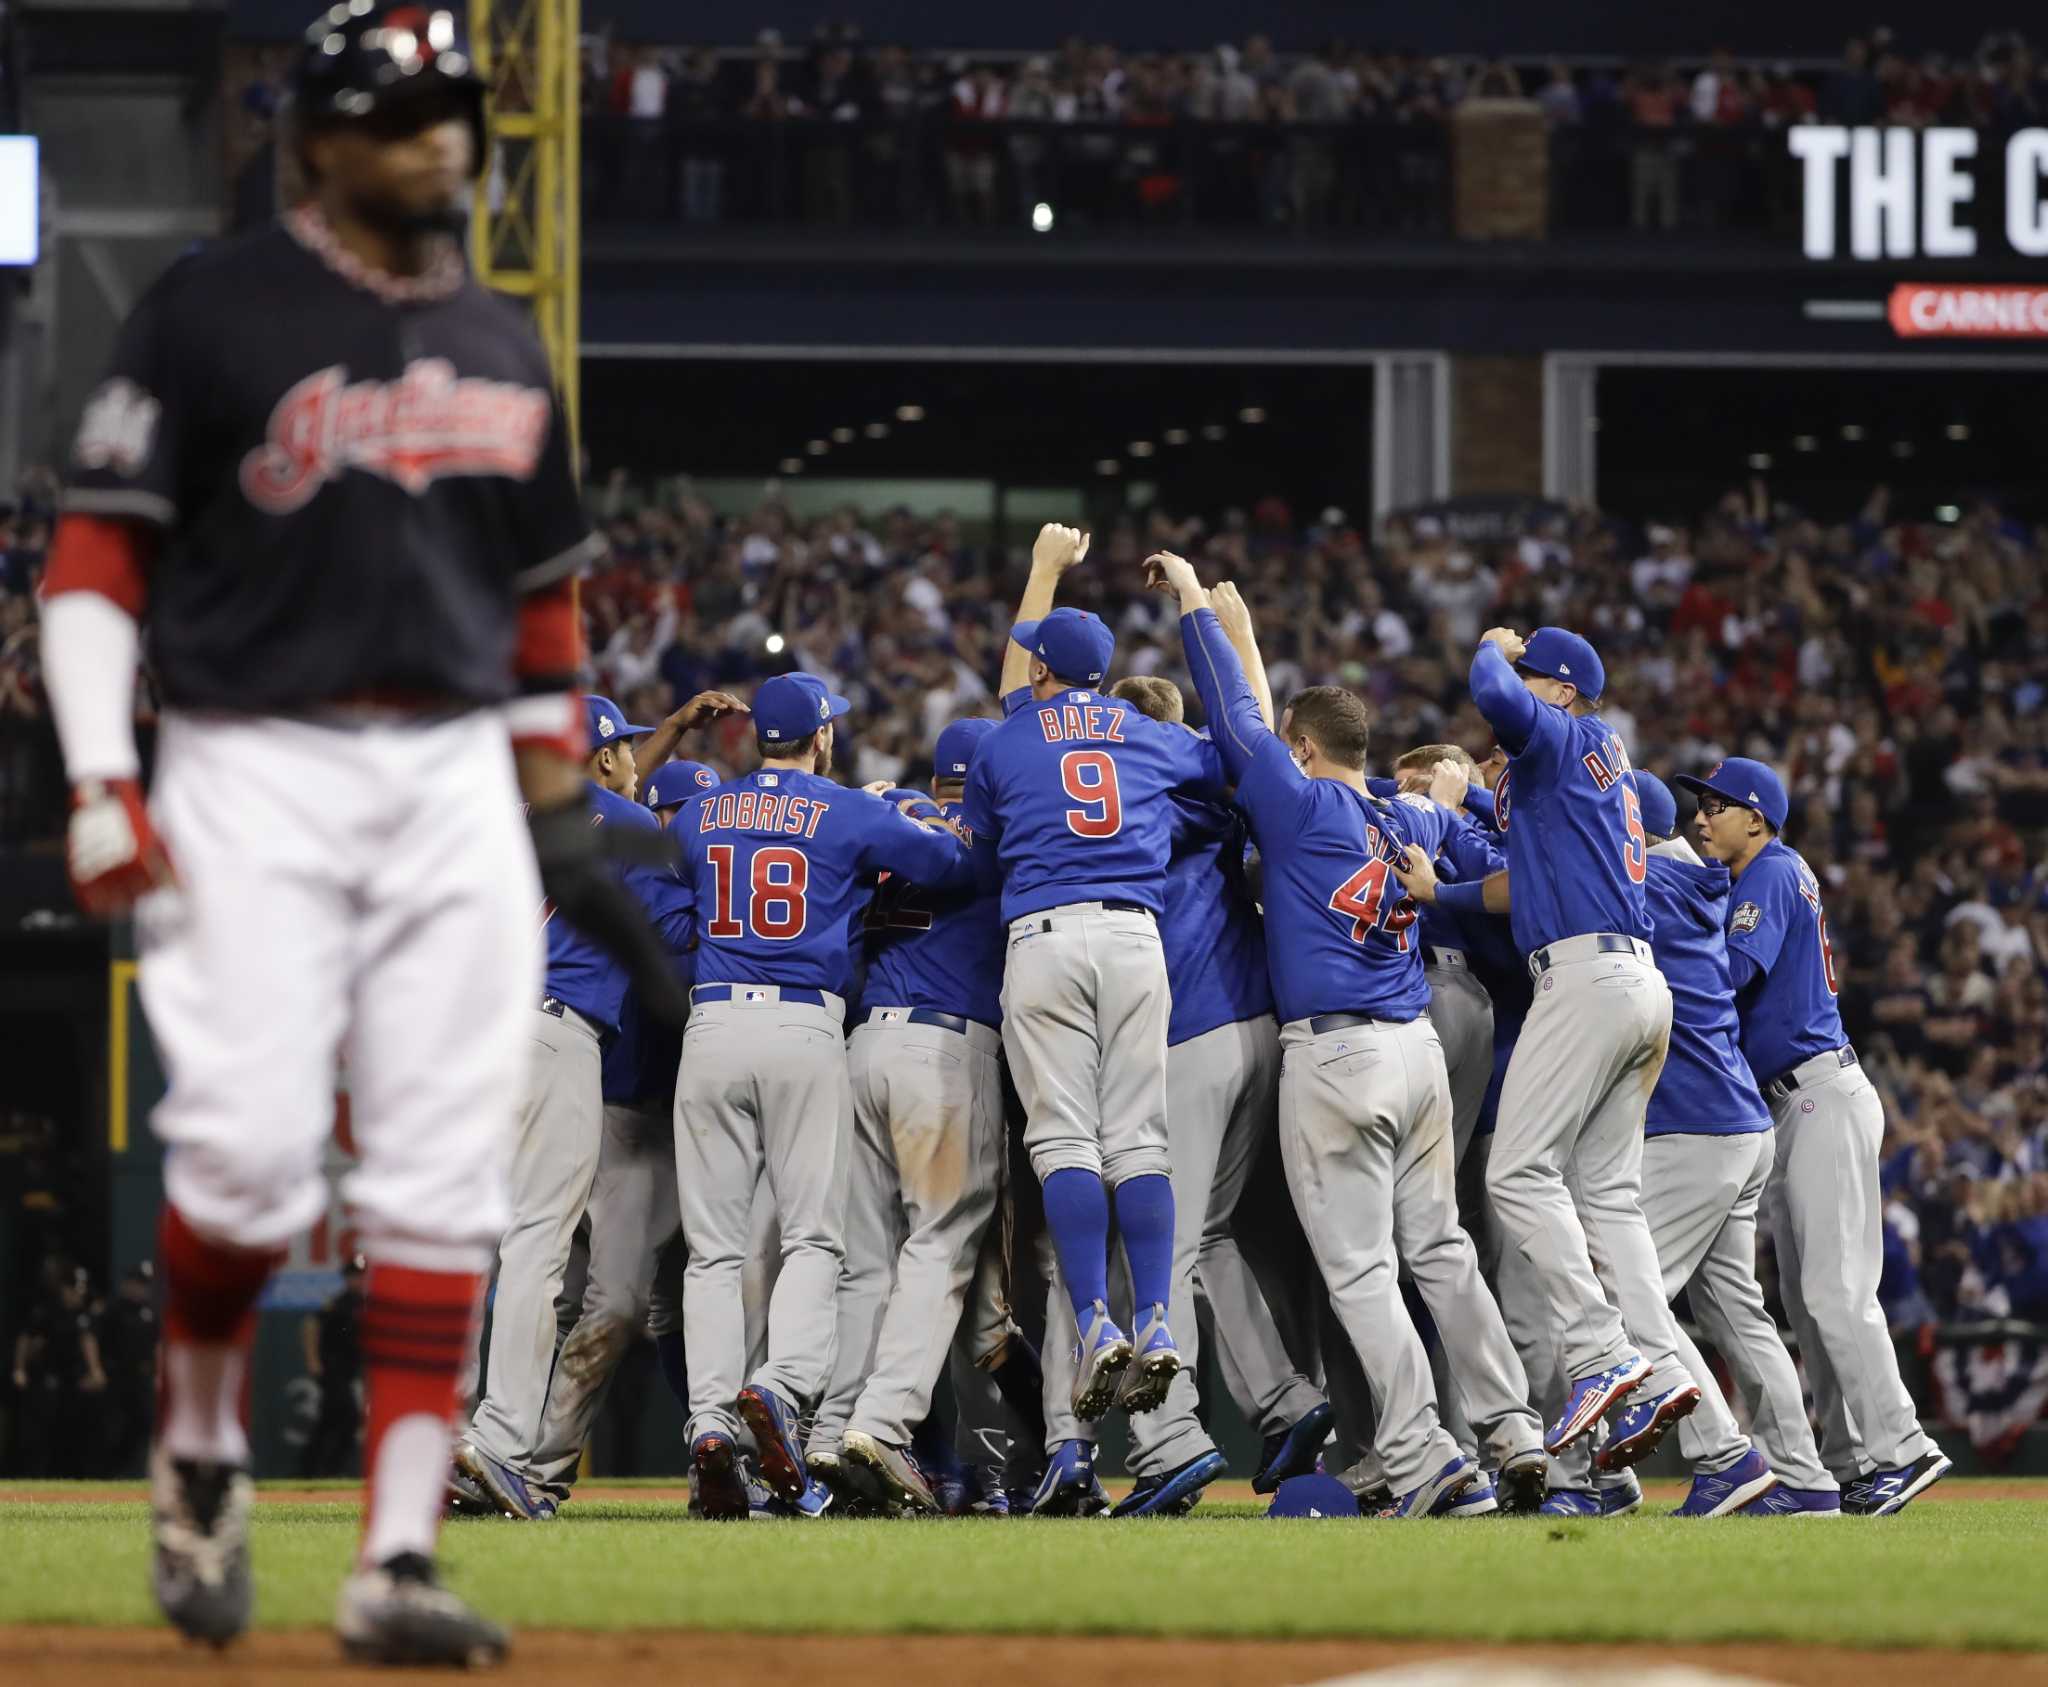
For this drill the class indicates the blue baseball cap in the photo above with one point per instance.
(902, 794)
(675, 783)
(607, 722)
(1314, 1495)
(1660, 807)
(1073, 643)
(790, 707)
(1558, 654)
(1749, 783)
(955, 748)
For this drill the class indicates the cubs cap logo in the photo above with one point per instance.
(705, 777)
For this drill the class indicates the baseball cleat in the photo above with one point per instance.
(1175, 1493)
(718, 1478)
(1069, 1488)
(1522, 1481)
(1591, 1398)
(1569, 1502)
(199, 1523)
(764, 1504)
(1435, 1495)
(772, 1422)
(466, 1498)
(1479, 1500)
(1879, 1493)
(895, 1469)
(1720, 1492)
(1103, 1353)
(1782, 1501)
(509, 1492)
(1619, 1498)
(1155, 1362)
(1642, 1426)
(986, 1496)
(399, 1613)
(1293, 1451)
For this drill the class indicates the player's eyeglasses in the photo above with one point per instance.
(1711, 806)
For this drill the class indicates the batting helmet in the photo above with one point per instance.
(365, 58)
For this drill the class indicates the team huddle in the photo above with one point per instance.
(1529, 1014)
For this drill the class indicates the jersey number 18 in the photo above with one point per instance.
(776, 907)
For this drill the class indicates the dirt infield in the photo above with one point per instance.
(62, 1657)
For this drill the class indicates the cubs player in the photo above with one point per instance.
(632, 1207)
(328, 468)
(778, 860)
(561, 1126)
(1364, 1105)
(1822, 1202)
(1580, 1078)
(1073, 790)
(927, 1155)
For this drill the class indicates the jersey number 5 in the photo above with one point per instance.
(1364, 896)
(1635, 848)
(1090, 779)
(776, 909)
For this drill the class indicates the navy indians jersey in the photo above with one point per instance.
(585, 976)
(1215, 947)
(937, 951)
(1340, 930)
(1784, 966)
(355, 477)
(1706, 1088)
(1568, 804)
(781, 862)
(1073, 793)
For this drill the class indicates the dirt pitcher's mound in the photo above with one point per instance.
(83, 1657)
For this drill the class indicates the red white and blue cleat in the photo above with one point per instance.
(1642, 1425)
(1592, 1397)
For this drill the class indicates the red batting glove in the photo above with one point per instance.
(111, 850)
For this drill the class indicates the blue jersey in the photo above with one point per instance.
(1784, 966)
(1568, 806)
(1210, 933)
(1468, 856)
(640, 1063)
(1706, 1088)
(579, 973)
(943, 952)
(1340, 930)
(1072, 792)
(781, 861)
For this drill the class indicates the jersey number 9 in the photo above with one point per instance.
(776, 907)
(1364, 897)
(1090, 779)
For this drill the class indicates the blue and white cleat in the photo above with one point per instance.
(1621, 1496)
(1102, 1356)
(1479, 1500)
(507, 1489)
(1879, 1493)
(772, 1422)
(1434, 1496)
(1069, 1488)
(1175, 1493)
(1155, 1362)
(1293, 1451)
(1642, 1426)
(1569, 1502)
(1721, 1492)
(716, 1476)
(1592, 1397)
(1782, 1501)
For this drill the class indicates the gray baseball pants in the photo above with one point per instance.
(1565, 1177)
(1826, 1212)
(1462, 1013)
(1085, 1003)
(926, 1172)
(554, 1162)
(763, 1093)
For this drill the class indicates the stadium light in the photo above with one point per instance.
(877, 430)
(1215, 430)
(1959, 430)
(817, 448)
(1106, 465)
(1947, 512)
(1852, 431)
(792, 465)
(842, 436)
(1139, 448)
(773, 644)
(910, 412)
(1805, 442)
(1252, 414)
(1175, 436)
(1041, 217)
(1759, 459)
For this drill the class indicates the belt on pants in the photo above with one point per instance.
(1045, 922)
(1321, 1022)
(559, 1009)
(923, 1016)
(760, 995)
(1585, 948)
(1444, 958)
(1788, 1084)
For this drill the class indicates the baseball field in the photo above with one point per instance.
(624, 1589)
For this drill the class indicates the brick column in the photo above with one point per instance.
(1500, 152)
(1496, 424)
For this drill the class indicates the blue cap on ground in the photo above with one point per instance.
(1314, 1495)
(676, 783)
(955, 748)
(1564, 655)
(1747, 782)
(1076, 645)
(1660, 807)
(608, 723)
(790, 707)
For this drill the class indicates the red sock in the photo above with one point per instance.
(418, 1329)
(210, 1294)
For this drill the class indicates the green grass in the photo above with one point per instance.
(1938, 1575)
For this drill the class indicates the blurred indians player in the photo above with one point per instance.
(328, 475)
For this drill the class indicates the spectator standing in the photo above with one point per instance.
(332, 1343)
(1654, 102)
